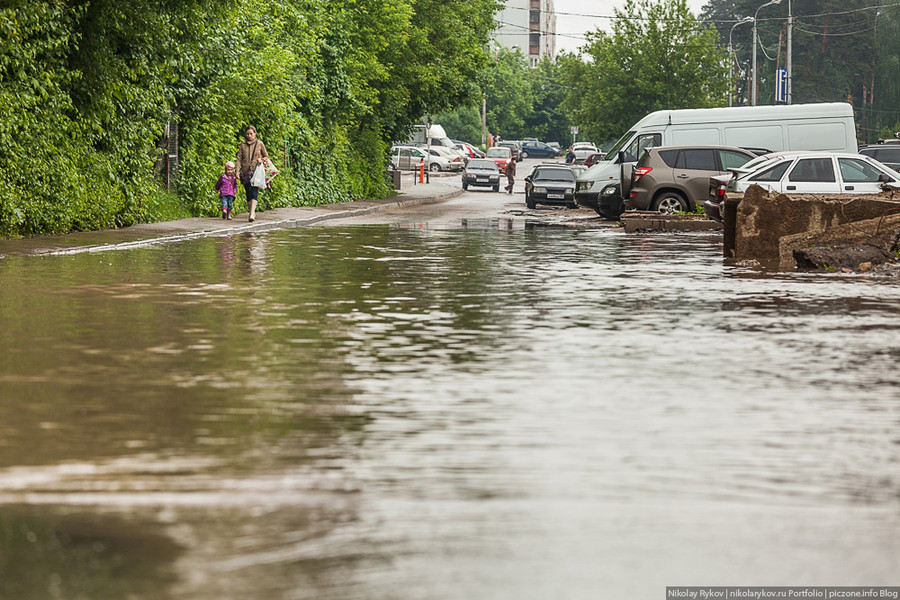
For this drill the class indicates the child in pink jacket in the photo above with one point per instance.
(227, 187)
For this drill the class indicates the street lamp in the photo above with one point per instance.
(755, 17)
(731, 90)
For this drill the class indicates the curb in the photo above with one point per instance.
(326, 213)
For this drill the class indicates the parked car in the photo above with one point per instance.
(470, 150)
(481, 172)
(454, 162)
(887, 152)
(555, 145)
(582, 150)
(405, 158)
(538, 150)
(803, 173)
(515, 146)
(593, 159)
(817, 173)
(501, 156)
(676, 178)
(550, 184)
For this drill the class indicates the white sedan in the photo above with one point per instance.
(582, 151)
(815, 173)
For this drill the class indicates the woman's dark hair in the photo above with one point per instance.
(249, 127)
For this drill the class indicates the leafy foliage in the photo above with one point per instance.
(658, 56)
(88, 87)
(842, 50)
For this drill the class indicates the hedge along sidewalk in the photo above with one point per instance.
(196, 227)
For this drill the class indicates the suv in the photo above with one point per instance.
(676, 178)
(538, 150)
(887, 152)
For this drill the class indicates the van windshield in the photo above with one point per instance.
(612, 152)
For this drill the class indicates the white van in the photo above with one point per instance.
(825, 126)
(436, 137)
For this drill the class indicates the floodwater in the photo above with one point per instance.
(415, 413)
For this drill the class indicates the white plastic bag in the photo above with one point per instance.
(259, 177)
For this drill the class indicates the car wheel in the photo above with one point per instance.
(571, 205)
(434, 167)
(524, 155)
(531, 204)
(465, 185)
(497, 188)
(670, 203)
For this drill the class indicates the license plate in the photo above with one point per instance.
(483, 179)
(556, 196)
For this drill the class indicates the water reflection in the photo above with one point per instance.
(421, 412)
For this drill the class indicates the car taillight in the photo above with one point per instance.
(640, 172)
(720, 191)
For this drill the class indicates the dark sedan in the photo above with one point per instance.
(481, 171)
(550, 184)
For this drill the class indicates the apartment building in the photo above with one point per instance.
(530, 26)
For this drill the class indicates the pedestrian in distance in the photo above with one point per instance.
(227, 188)
(511, 175)
(570, 156)
(251, 153)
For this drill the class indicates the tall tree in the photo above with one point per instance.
(833, 46)
(658, 56)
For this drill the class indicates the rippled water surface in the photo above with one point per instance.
(414, 413)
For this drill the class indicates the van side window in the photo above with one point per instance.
(813, 169)
(774, 173)
(699, 160)
(636, 148)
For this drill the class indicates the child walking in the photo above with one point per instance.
(227, 187)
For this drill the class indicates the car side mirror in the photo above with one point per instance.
(621, 157)
(885, 178)
(528, 178)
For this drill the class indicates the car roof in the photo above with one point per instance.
(479, 162)
(699, 147)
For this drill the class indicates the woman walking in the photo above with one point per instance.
(250, 154)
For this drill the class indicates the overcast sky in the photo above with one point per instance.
(571, 27)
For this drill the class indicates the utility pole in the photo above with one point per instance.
(790, 25)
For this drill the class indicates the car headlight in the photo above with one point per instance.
(540, 190)
(570, 190)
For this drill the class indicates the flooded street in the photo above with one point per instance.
(436, 412)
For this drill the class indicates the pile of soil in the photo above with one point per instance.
(857, 257)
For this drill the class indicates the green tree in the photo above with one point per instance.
(547, 120)
(508, 94)
(841, 50)
(88, 87)
(658, 56)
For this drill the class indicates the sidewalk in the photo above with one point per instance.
(183, 229)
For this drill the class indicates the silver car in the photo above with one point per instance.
(409, 158)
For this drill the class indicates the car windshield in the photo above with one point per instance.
(498, 152)
(482, 164)
(554, 175)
